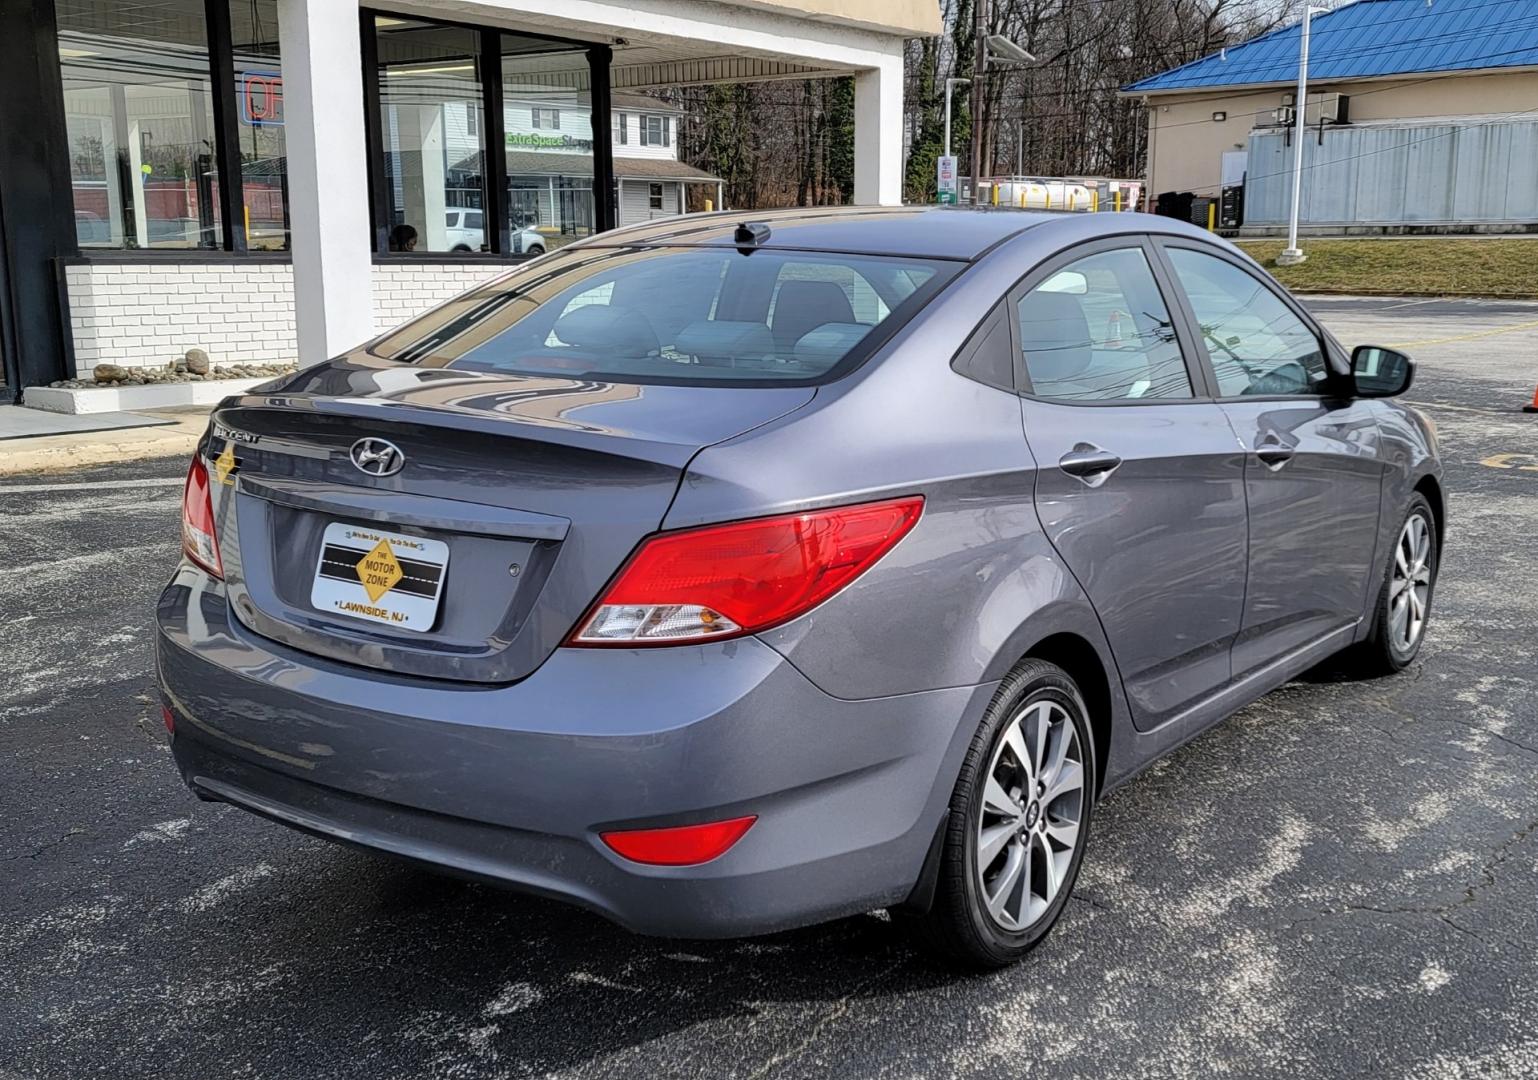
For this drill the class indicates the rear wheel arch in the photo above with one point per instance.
(1082, 663)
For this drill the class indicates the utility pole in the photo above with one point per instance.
(979, 69)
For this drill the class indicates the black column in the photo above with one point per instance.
(221, 65)
(598, 57)
(494, 146)
(378, 183)
(35, 197)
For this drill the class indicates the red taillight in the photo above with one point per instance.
(686, 845)
(725, 580)
(167, 718)
(198, 539)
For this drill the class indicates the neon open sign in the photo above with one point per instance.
(261, 98)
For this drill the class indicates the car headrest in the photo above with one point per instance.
(722, 340)
(805, 305)
(826, 345)
(1054, 335)
(607, 328)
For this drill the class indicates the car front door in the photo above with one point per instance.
(1313, 469)
(1140, 484)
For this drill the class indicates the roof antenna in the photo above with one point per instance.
(751, 233)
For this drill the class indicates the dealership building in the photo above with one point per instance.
(1420, 117)
(271, 179)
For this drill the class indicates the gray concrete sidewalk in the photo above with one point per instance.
(174, 433)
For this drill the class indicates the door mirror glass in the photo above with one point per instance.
(1381, 372)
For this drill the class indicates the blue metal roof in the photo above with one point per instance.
(1371, 39)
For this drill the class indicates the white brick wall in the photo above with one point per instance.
(147, 315)
(403, 290)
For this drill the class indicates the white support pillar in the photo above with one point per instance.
(327, 175)
(878, 134)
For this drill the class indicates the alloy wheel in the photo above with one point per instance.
(1410, 586)
(1028, 824)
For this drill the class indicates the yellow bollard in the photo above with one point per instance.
(995, 199)
(709, 205)
(1073, 200)
(1022, 198)
(1118, 200)
(1094, 201)
(1212, 217)
(1048, 205)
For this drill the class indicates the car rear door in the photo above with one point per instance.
(1140, 484)
(1313, 467)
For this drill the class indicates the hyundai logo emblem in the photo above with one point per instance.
(377, 457)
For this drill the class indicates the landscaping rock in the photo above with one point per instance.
(108, 373)
(197, 362)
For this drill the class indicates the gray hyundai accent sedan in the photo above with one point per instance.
(728, 574)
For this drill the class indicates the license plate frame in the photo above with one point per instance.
(380, 577)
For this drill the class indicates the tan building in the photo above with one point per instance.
(1417, 114)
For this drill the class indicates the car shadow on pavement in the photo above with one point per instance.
(400, 961)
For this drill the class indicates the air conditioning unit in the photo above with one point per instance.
(1322, 109)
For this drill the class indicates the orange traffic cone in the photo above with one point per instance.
(1534, 406)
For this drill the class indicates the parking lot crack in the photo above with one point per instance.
(35, 852)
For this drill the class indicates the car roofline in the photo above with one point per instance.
(693, 226)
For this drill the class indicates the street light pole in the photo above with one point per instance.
(950, 84)
(1293, 255)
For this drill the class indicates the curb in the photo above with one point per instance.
(62, 453)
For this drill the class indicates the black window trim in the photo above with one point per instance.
(1201, 389)
(495, 201)
(1335, 365)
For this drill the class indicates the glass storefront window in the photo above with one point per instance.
(259, 100)
(547, 114)
(431, 111)
(139, 121)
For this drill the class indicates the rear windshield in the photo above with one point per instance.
(689, 315)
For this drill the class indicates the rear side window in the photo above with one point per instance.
(693, 315)
(1098, 330)
(1257, 345)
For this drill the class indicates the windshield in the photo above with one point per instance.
(691, 315)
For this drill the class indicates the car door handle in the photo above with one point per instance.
(1089, 463)
(1273, 453)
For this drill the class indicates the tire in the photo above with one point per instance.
(1392, 644)
(962, 926)
(536, 250)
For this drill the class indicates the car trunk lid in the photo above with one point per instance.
(516, 499)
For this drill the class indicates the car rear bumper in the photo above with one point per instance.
(514, 783)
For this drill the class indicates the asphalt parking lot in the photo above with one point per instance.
(1342, 880)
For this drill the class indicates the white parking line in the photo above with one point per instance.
(92, 485)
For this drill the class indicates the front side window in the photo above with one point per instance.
(654, 196)
(139, 122)
(1098, 330)
(547, 119)
(429, 90)
(621, 129)
(703, 316)
(1258, 347)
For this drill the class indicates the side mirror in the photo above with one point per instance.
(1381, 372)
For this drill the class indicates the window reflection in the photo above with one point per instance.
(259, 99)
(431, 105)
(547, 111)
(139, 121)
